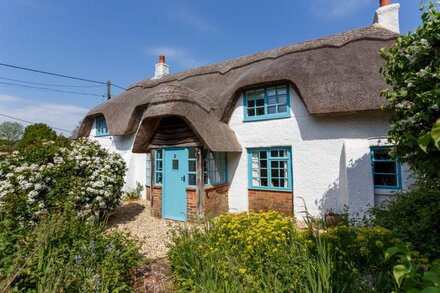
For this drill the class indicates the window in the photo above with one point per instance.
(266, 103)
(158, 167)
(101, 126)
(270, 168)
(386, 170)
(214, 167)
(148, 170)
(192, 166)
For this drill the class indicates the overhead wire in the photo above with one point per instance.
(30, 122)
(50, 84)
(49, 89)
(59, 75)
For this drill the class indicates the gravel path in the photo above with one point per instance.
(134, 217)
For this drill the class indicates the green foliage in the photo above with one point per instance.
(264, 252)
(134, 193)
(412, 68)
(238, 253)
(64, 253)
(36, 132)
(414, 216)
(410, 274)
(82, 177)
(10, 131)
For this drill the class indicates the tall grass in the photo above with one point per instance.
(68, 254)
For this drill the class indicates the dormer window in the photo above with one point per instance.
(101, 126)
(266, 103)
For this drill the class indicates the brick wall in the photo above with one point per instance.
(191, 204)
(157, 201)
(280, 201)
(216, 200)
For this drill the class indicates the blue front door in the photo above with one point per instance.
(174, 183)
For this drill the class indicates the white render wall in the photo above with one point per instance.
(136, 163)
(330, 157)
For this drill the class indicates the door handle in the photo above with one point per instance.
(183, 178)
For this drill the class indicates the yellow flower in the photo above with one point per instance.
(242, 271)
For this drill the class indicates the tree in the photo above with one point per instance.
(11, 131)
(412, 69)
(37, 132)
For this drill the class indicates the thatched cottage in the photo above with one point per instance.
(262, 131)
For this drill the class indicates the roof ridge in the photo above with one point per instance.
(244, 62)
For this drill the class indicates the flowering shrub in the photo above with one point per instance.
(254, 252)
(81, 177)
(412, 70)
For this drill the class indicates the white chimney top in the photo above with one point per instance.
(161, 68)
(387, 16)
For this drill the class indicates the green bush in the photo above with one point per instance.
(37, 132)
(64, 253)
(255, 252)
(81, 176)
(414, 216)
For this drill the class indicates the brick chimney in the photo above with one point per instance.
(387, 16)
(161, 69)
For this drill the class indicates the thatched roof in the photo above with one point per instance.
(335, 74)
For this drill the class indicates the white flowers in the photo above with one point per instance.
(96, 177)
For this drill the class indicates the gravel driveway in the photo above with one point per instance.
(134, 217)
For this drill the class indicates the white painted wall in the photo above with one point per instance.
(331, 157)
(136, 163)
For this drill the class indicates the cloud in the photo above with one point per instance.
(4, 98)
(337, 8)
(63, 116)
(178, 56)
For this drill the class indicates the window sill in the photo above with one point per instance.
(270, 189)
(265, 118)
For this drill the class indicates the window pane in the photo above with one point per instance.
(259, 94)
(271, 109)
(192, 153)
(263, 182)
(381, 155)
(282, 99)
(385, 180)
(192, 166)
(259, 102)
(251, 112)
(384, 167)
(272, 100)
(282, 109)
(281, 90)
(271, 91)
(251, 103)
(192, 179)
(260, 111)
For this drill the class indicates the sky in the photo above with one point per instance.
(121, 41)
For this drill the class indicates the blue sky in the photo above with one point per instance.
(121, 40)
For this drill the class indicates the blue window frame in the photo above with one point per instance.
(266, 103)
(101, 126)
(214, 168)
(158, 166)
(148, 170)
(386, 170)
(270, 168)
